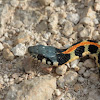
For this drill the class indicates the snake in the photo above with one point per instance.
(56, 57)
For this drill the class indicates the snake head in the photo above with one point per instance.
(35, 50)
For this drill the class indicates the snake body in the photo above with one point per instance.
(54, 56)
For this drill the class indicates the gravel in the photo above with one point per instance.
(58, 23)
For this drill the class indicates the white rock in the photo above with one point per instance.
(68, 28)
(19, 50)
(96, 21)
(84, 33)
(58, 92)
(87, 21)
(14, 3)
(73, 17)
(97, 6)
(61, 69)
(74, 63)
(1, 46)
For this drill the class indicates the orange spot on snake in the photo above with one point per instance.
(80, 44)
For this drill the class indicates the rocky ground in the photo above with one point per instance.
(58, 23)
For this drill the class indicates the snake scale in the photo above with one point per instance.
(56, 57)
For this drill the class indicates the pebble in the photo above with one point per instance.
(70, 78)
(89, 63)
(1, 46)
(84, 33)
(87, 21)
(22, 38)
(14, 3)
(82, 70)
(1, 80)
(97, 6)
(57, 92)
(86, 74)
(74, 63)
(73, 17)
(68, 28)
(61, 69)
(78, 87)
(53, 21)
(19, 49)
(94, 77)
(8, 55)
(89, 12)
(81, 79)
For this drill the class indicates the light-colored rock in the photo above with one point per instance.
(57, 92)
(73, 17)
(39, 88)
(82, 70)
(1, 46)
(42, 26)
(74, 63)
(68, 28)
(14, 3)
(87, 21)
(53, 21)
(97, 6)
(8, 55)
(70, 78)
(86, 74)
(89, 12)
(96, 21)
(22, 38)
(19, 49)
(61, 70)
(84, 33)
(45, 2)
(81, 79)
(89, 63)
(94, 77)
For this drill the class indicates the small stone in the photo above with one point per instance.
(68, 28)
(74, 63)
(8, 55)
(45, 2)
(61, 69)
(22, 38)
(73, 17)
(97, 6)
(1, 80)
(78, 87)
(87, 21)
(1, 46)
(14, 3)
(94, 77)
(89, 12)
(69, 78)
(53, 21)
(86, 74)
(82, 70)
(89, 63)
(81, 79)
(57, 92)
(19, 49)
(96, 35)
(84, 33)
(42, 26)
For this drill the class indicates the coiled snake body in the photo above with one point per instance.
(54, 56)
